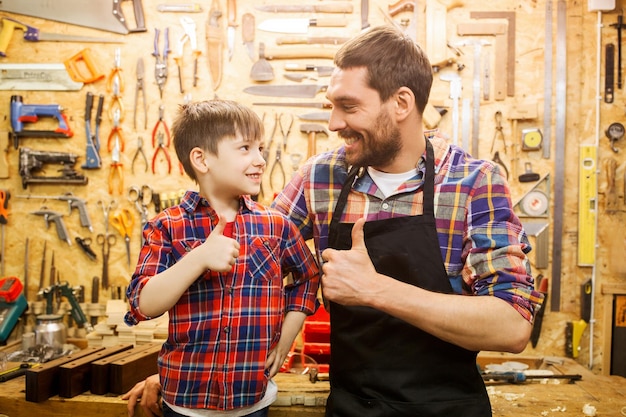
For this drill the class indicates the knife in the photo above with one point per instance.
(310, 104)
(322, 71)
(334, 7)
(232, 24)
(247, 33)
(300, 25)
(365, 6)
(290, 40)
(214, 39)
(296, 91)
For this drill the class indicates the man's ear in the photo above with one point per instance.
(405, 103)
(198, 160)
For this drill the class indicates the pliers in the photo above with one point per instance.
(139, 152)
(284, 130)
(161, 145)
(116, 170)
(160, 65)
(140, 87)
(161, 122)
(116, 133)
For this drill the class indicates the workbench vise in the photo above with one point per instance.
(30, 113)
(32, 161)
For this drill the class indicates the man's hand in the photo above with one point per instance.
(149, 392)
(349, 275)
(222, 251)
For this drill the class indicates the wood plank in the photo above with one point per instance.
(75, 376)
(128, 371)
(100, 369)
(43, 382)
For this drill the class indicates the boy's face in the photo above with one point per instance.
(238, 167)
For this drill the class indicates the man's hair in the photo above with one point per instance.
(204, 124)
(392, 60)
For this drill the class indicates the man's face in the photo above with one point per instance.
(371, 135)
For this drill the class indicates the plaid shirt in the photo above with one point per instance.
(222, 328)
(483, 244)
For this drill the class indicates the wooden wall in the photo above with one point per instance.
(530, 16)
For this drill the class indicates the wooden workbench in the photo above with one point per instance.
(298, 397)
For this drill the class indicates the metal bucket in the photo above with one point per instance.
(51, 331)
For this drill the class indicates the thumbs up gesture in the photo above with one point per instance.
(220, 251)
(349, 275)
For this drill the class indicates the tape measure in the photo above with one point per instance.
(531, 139)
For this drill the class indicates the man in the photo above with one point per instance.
(424, 260)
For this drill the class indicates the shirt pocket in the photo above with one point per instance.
(181, 247)
(264, 259)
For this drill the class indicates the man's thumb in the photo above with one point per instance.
(358, 237)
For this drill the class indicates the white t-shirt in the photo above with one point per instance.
(388, 183)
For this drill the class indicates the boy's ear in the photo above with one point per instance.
(198, 160)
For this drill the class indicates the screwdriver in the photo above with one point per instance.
(518, 377)
(4, 215)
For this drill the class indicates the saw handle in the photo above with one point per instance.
(8, 27)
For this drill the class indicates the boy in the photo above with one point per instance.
(216, 262)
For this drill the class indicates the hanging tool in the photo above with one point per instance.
(161, 125)
(30, 113)
(247, 34)
(189, 29)
(496, 158)
(312, 129)
(609, 69)
(123, 221)
(85, 245)
(82, 67)
(215, 44)
(116, 109)
(610, 168)
(106, 241)
(73, 202)
(284, 130)
(115, 173)
(37, 77)
(92, 154)
(180, 8)
(116, 73)
(32, 161)
(5, 195)
(140, 87)
(141, 197)
(615, 132)
(231, 10)
(619, 26)
(139, 153)
(456, 88)
(300, 25)
(162, 146)
(57, 218)
(105, 15)
(267, 147)
(587, 205)
(160, 64)
(498, 134)
(32, 34)
(116, 137)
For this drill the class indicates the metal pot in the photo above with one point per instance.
(51, 331)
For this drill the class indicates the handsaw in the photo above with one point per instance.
(103, 14)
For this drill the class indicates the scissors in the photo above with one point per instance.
(106, 210)
(106, 241)
(123, 221)
(141, 197)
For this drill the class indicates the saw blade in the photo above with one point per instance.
(37, 77)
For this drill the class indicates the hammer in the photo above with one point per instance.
(312, 129)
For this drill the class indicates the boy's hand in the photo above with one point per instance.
(221, 251)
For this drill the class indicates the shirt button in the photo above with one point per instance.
(385, 206)
(226, 329)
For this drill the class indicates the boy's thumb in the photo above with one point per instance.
(220, 226)
(358, 236)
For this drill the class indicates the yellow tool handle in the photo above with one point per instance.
(8, 26)
(77, 64)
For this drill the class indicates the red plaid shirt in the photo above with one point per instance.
(224, 325)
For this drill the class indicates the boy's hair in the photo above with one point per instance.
(392, 60)
(204, 124)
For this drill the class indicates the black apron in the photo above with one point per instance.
(381, 365)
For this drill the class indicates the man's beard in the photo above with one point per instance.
(380, 148)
